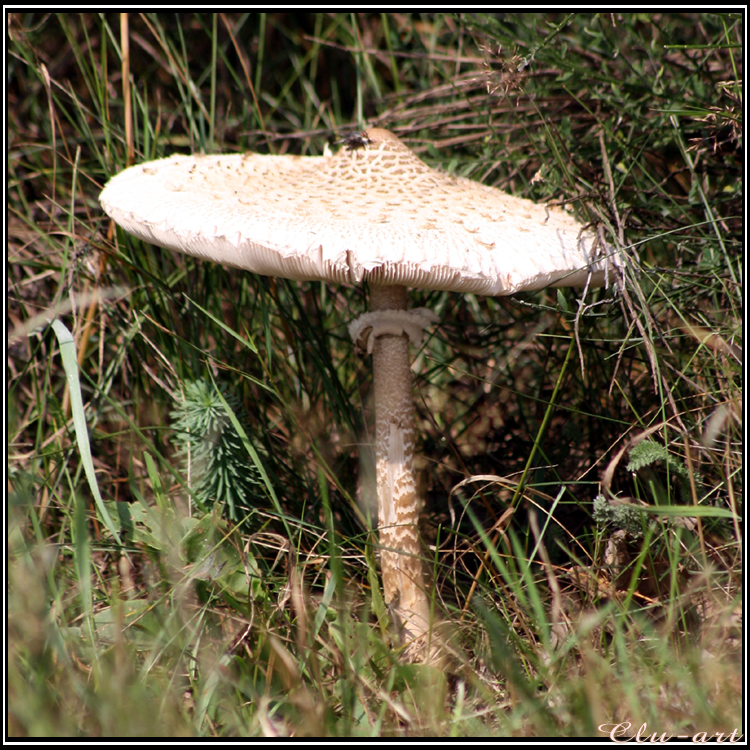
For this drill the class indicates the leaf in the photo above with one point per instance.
(683, 511)
(70, 365)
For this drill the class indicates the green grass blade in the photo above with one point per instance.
(70, 365)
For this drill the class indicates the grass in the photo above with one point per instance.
(582, 458)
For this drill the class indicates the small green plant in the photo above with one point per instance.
(620, 516)
(648, 452)
(215, 460)
(645, 458)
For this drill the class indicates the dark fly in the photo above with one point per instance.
(356, 140)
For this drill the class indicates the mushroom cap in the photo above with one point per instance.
(372, 211)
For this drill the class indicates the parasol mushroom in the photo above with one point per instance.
(372, 212)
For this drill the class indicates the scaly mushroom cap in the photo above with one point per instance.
(375, 211)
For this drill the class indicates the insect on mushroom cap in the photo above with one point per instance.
(356, 140)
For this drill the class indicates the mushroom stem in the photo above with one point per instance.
(402, 563)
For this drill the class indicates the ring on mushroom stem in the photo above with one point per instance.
(373, 211)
